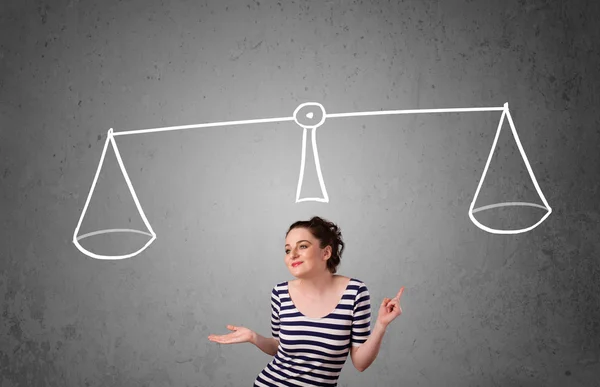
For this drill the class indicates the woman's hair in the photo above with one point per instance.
(328, 234)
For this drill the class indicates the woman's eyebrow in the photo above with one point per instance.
(304, 240)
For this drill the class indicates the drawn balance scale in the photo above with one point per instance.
(310, 116)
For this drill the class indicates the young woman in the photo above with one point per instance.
(318, 318)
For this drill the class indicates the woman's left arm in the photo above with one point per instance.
(363, 356)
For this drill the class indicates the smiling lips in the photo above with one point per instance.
(296, 264)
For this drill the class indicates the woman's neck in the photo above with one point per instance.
(318, 286)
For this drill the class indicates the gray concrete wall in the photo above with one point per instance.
(480, 309)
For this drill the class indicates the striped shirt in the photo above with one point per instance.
(312, 351)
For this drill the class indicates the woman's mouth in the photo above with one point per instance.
(296, 264)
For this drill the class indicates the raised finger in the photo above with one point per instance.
(400, 293)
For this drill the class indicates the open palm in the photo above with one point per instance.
(239, 335)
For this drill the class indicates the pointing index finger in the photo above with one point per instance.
(400, 293)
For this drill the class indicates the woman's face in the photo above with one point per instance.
(301, 247)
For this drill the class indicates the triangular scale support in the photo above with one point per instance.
(313, 140)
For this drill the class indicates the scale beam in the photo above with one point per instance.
(310, 116)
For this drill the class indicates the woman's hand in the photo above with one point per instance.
(390, 309)
(239, 335)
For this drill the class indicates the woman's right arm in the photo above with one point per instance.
(267, 345)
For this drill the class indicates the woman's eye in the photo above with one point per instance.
(288, 251)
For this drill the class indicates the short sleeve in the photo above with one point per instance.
(361, 316)
(275, 307)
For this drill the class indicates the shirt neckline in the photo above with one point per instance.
(287, 290)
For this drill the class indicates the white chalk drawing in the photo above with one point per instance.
(312, 127)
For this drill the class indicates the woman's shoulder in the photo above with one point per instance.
(356, 281)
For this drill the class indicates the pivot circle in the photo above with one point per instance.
(310, 115)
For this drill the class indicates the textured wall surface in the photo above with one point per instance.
(480, 309)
